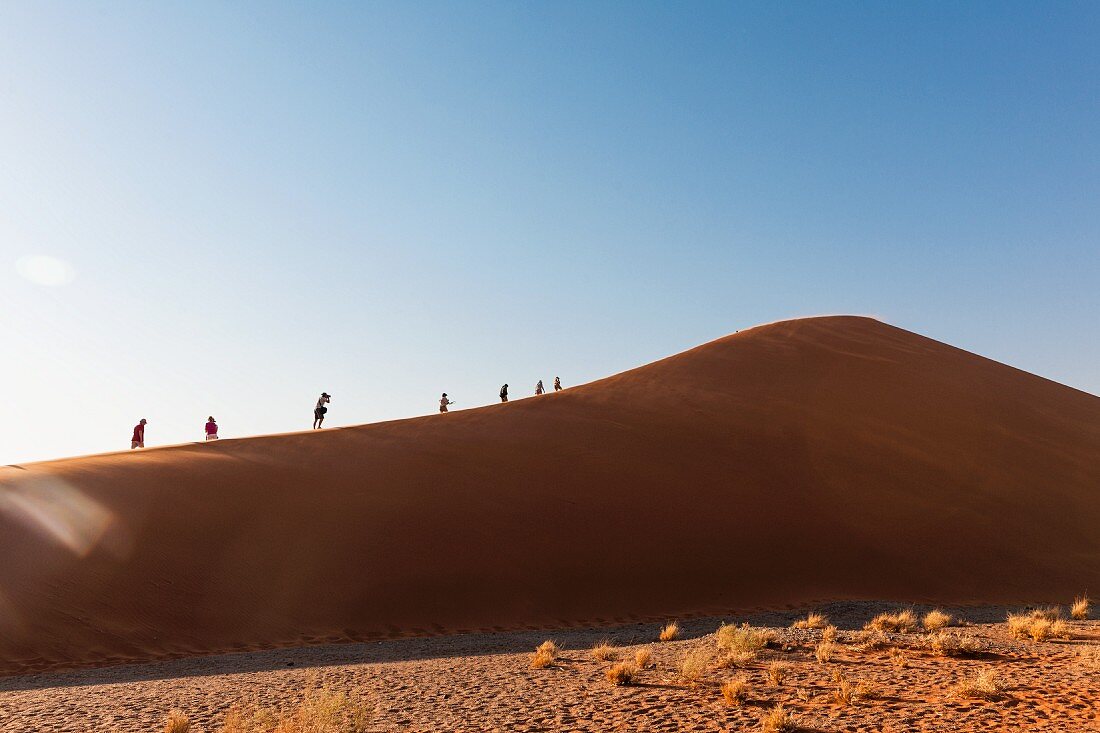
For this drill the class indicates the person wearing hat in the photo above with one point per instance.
(320, 410)
(443, 402)
(211, 428)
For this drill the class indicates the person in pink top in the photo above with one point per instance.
(138, 441)
(211, 428)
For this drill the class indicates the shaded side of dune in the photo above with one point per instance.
(826, 458)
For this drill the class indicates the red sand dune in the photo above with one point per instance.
(824, 458)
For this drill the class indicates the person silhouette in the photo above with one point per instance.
(138, 439)
(538, 388)
(320, 410)
(211, 428)
(443, 402)
(557, 384)
(504, 393)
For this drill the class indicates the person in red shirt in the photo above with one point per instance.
(211, 428)
(138, 441)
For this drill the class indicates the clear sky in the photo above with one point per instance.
(254, 202)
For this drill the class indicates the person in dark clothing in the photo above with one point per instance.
(504, 393)
(557, 384)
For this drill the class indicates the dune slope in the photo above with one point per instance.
(823, 458)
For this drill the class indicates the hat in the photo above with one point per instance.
(325, 394)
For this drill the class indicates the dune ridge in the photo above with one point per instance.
(822, 458)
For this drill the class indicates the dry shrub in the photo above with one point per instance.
(777, 672)
(320, 711)
(812, 621)
(983, 686)
(847, 692)
(1080, 608)
(694, 665)
(177, 722)
(622, 674)
(871, 640)
(603, 651)
(778, 720)
(1018, 625)
(736, 691)
(643, 657)
(1049, 613)
(803, 694)
(742, 639)
(1089, 657)
(545, 655)
(1059, 629)
(935, 620)
(899, 621)
(824, 651)
(898, 658)
(829, 634)
(948, 644)
(670, 632)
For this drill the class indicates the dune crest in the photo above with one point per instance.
(822, 458)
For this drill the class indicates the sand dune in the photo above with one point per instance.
(826, 458)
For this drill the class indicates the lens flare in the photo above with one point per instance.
(45, 270)
(56, 510)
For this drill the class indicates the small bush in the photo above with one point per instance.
(946, 644)
(829, 634)
(871, 640)
(898, 658)
(777, 672)
(545, 655)
(742, 639)
(778, 720)
(1080, 608)
(1059, 629)
(900, 621)
(621, 674)
(812, 621)
(935, 620)
(603, 651)
(177, 723)
(694, 665)
(1049, 613)
(824, 651)
(983, 686)
(643, 657)
(736, 691)
(321, 710)
(670, 632)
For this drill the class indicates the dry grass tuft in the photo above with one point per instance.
(778, 720)
(900, 621)
(177, 722)
(545, 655)
(898, 658)
(812, 621)
(948, 644)
(603, 651)
(742, 639)
(935, 620)
(777, 672)
(321, 710)
(1089, 657)
(829, 634)
(694, 665)
(670, 632)
(847, 692)
(622, 674)
(736, 691)
(870, 640)
(824, 651)
(1050, 613)
(1037, 626)
(643, 657)
(1080, 608)
(983, 686)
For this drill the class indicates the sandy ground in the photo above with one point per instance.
(483, 682)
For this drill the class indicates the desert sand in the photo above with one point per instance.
(484, 682)
(833, 458)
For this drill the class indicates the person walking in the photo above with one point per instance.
(538, 388)
(138, 439)
(211, 428)
(557, 384)
(320, 410)
(504, 393)
(443, 402)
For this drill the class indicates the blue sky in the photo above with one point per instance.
(259, 201)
